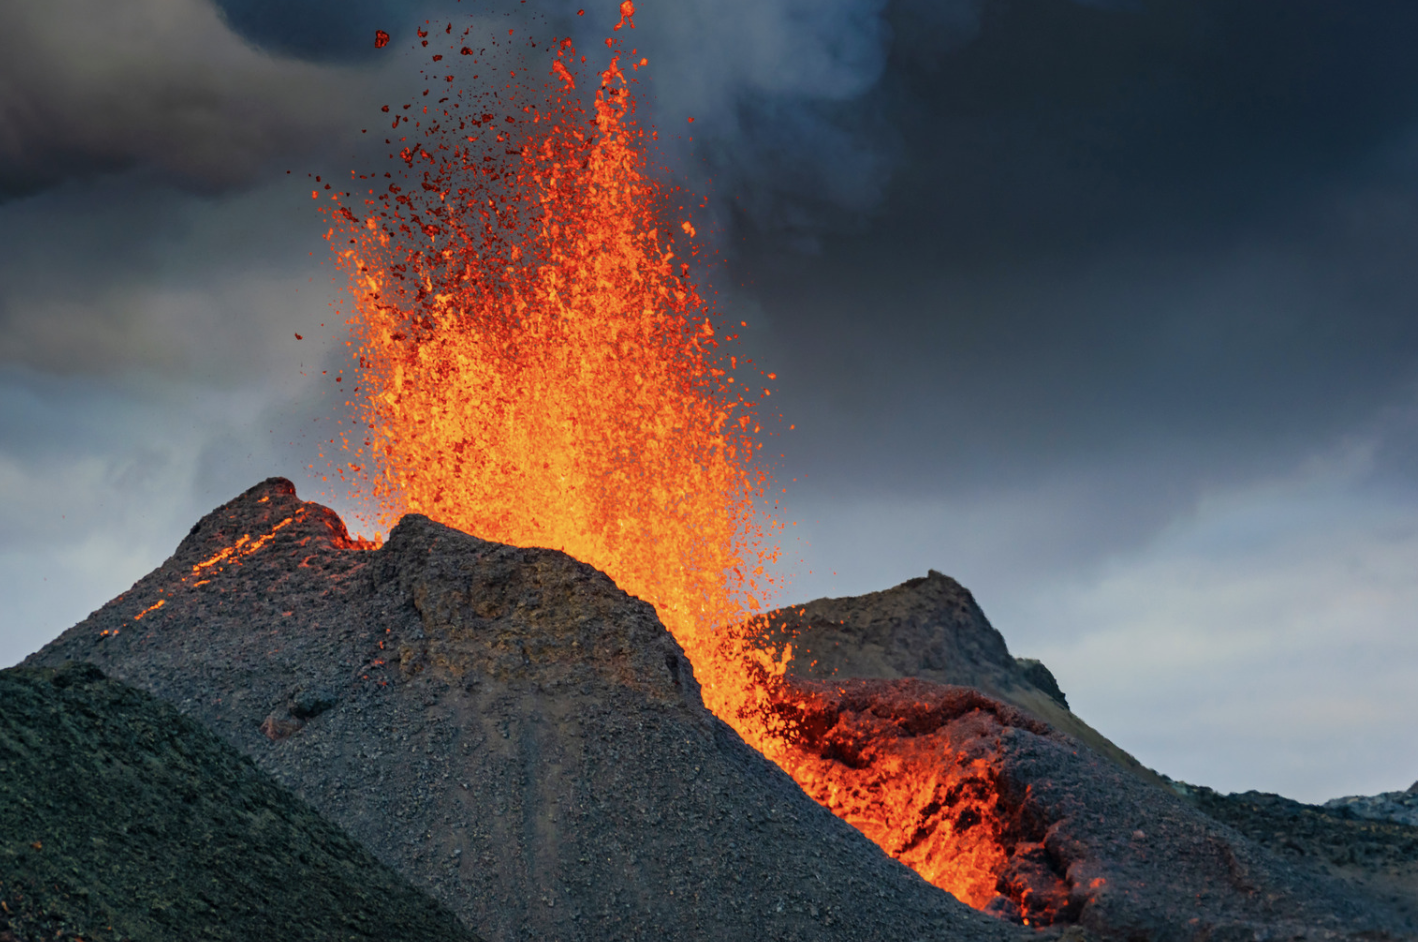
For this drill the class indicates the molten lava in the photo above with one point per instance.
(917, 768)
(538, 368)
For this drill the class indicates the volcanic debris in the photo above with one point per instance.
(1041, 827)
(120, 818)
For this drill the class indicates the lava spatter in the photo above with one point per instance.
(540, 367)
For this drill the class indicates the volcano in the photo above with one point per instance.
(527, 743)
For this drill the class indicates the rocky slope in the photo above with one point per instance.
(503, 726)
(122, 819)
(1378, 857)
(520, 738)
(929, 628)
(1076, 840)
(1061, 820)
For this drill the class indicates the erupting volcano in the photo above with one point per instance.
(538, 368)
(551, 695)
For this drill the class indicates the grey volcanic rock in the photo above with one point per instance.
(1398, 807)
(526, 742)
(120, 818)
(1087, 843)
(1378, 857)
(503, 726)
(931, 628)
(1040, 676)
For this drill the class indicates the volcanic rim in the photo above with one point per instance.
(519, 737)
(929, 628)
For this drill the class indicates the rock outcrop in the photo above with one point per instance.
(1048, 831)
(929, 628)
(1398, 807)
(504, 726)
(120, 818)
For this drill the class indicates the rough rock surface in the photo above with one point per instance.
(503, 726)
(1378, 857)
(930, 628)
(1398, 807)
(525, 741)
(1086, 842)
(120, 818)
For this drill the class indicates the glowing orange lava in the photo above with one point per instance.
(917, 768)
(540, 370)
(536, 367)
(151, 608)
(244, 546)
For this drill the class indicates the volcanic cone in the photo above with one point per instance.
(504, 726)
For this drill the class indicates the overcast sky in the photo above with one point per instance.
(1105, 309)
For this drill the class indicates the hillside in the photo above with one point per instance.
(122, 819)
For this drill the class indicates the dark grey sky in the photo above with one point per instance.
(1106, 309)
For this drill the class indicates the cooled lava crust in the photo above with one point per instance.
(121, 820)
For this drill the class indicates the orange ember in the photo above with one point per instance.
(537, 367)
(151, 608)
(244, 546)
(232, 555)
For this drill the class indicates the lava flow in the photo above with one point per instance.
(537, 368)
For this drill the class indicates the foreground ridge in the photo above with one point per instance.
(122, 819)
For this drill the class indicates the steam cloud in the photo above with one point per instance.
(781, 93)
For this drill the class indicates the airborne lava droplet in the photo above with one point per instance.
(381, 39)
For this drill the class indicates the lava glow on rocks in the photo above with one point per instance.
(536, 366)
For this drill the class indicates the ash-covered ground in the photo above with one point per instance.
(527, 743)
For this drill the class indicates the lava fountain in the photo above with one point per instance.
(537, 367)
